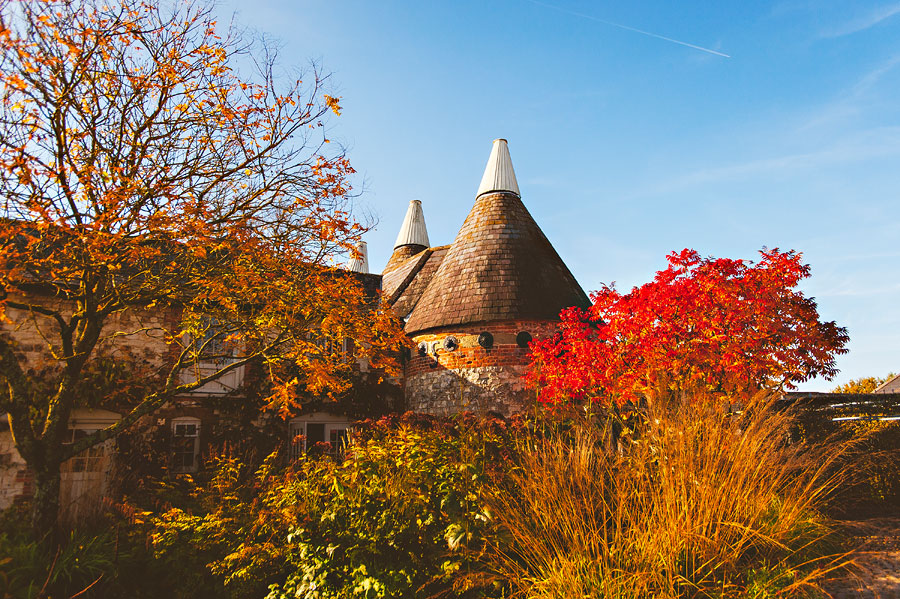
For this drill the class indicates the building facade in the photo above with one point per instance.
(472, 307)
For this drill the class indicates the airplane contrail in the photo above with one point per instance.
(627, 28)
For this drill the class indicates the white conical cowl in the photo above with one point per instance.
(360, 262)
(499, 174)
(413, 231)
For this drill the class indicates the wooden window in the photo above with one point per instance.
(305, 433)
(91, 459)
(185, 444)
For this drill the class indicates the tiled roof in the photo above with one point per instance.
(400, 256)
(892, 385)
(397, 276)
(500, 267)
(407, 295)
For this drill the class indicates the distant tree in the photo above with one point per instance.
(140, 173)
(863, 385)
(702, 326)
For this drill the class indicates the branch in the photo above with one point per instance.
(151, 403)
(36, 308)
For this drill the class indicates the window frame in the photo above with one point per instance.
(178, 453)
(225, 384)
(91, 459)
(336, 429)
(96, 459)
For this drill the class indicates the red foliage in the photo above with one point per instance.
(702, 326)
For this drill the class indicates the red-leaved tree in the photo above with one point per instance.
(703, 326)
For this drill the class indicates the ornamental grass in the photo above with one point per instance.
(679, 499)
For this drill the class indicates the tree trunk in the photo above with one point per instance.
(45, 504)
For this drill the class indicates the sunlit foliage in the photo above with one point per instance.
(160, 183)
(703, 325)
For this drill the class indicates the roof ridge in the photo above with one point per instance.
(886, 383)
(423, 258)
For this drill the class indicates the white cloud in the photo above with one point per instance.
(863, 22)
(873, 143)
(854, 289)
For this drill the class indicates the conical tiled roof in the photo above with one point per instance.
(500, 267)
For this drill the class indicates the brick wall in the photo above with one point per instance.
(471, 377)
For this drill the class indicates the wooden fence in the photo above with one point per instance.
(870, 423)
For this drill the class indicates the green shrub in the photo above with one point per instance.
(401, 515)
(37, 569)
(391, 520)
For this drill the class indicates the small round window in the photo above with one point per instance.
(523, 339)
(486, 340)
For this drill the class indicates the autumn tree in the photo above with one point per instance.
(702, 327)
(154, 192)
(866, 384)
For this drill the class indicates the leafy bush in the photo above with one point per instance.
(401, 515)
(667, 501)
(872, 466)
(38, 569)
(392, 519)
(870, 436)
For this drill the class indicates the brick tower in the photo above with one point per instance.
(473, 306)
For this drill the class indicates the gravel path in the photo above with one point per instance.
(878, 560)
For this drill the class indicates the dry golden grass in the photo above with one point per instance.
(693, 502)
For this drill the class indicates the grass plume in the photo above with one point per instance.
(682, 499)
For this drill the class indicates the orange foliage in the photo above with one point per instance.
(140, 170)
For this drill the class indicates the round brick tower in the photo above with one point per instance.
(473, 306)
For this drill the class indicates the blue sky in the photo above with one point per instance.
(628, 146)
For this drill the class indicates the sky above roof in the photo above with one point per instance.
(635, 129)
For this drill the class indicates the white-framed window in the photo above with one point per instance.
(216, 354)
(185, 444)
(92, 459)
(82, 423)
(213, 345)
(307, 431)
(338, 438)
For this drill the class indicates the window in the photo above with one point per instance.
(212, 345)
(91, 459)
(297, 432)
(338, 438)
(84, 422)
(214, 354)
(306, 432)
(185, 444)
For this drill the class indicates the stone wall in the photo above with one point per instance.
(36, 339)
(471, 377)
(15, 478)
